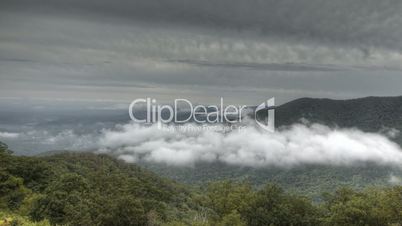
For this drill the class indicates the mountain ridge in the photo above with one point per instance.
(369, 114)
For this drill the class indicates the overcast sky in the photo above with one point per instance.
(243, 50)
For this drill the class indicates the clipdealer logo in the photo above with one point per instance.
(268, 109)
(148, 111)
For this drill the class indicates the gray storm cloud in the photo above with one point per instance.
(293, 146)
(370, 22)
(100, 49)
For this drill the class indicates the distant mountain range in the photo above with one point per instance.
(369, 114)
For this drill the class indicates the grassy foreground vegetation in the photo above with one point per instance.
(88, 189)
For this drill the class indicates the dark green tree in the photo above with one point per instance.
(12, 191)
(272, 206)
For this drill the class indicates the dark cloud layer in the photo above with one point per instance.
(358, 22)
(240, 49)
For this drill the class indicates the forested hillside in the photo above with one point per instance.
(370, 114)
(89, 189)
(310, 181)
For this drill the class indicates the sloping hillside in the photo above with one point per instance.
(369, 114)
(88, 189)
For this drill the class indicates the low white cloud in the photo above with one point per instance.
(390, 132)
(395, 180)
(297, 145)
(8, 135)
